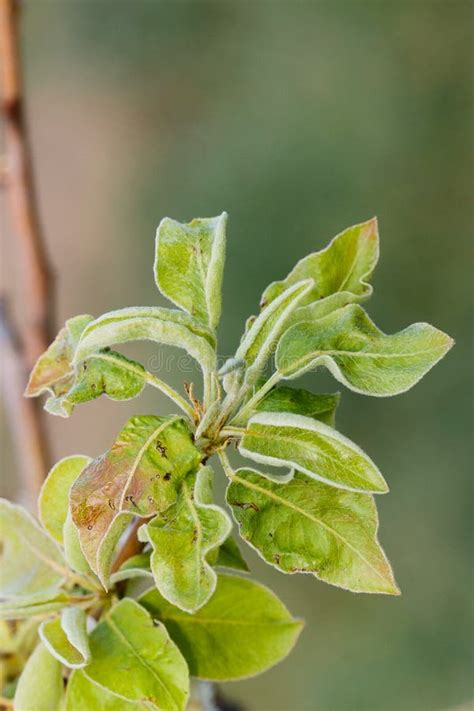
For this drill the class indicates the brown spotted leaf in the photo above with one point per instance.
(138, 476)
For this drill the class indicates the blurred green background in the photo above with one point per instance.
(299, 119)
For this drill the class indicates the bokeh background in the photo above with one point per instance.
(299, 119)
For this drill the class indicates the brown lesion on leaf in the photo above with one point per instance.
(246, 505)
(160, 447)
(195, 535)
(167, 476)
(277, 558)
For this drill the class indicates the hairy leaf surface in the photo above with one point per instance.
(189, 264)
(66, 637)
(137, 566)
(305, 526)
(243, 630)
(53, 502)
(168, 326)
(128, 640)
(84, 695)
(340, 272)
(30, 561)
(40, 687)
(139, 476)
(301, 402)
(33, 605)
(280, 438)
(182, 538)
(230, 556)
(359, 355)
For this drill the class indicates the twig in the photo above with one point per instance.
(22, 345)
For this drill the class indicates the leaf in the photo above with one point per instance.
(53, 502)
(84, 695)
(359, 355)
(229, 556)
(66, 638)
(301, 402)
(182, 539)
(189, 265)
(103, 373)
(33, 605)
(53, 371)
(138, 476)
(75, 558)
(281, 438)
(137, 566)
(168, 326)
(340, 272)
(128, 640)
(305, 526)
(40, 687)
(30, 561)
(260, 339)
(242, 631)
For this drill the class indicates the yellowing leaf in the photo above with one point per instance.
(138, 476)
(40, 687)
(243, 630)
(284, 439)
(53, 502)
(305, 526)
(84, 695)
(66, 639)
(359, 355)
(127, 640)
(189, 264)
(182, 538)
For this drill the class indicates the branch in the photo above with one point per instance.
(22, 345)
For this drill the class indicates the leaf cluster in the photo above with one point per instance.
(121, 580)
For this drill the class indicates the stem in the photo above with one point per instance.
(171, 393)
(230, 431)
(228, 471)
(244, 413)
(131, 545)
(32, 335)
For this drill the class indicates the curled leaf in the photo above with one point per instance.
(66, 638)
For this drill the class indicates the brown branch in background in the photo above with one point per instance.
(21, 345)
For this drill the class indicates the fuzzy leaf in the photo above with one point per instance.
(168, 326)
(139, 476)
(182, 538)
(103, 373)
(53, 502)
(72, 549)
(259, 341)
(229, 556)
(340, 273)
(30, 561)
(301, 402)
(284, 439)
(305, 526)
(33, 605)
(137, 566)
(242, 631)
(127, 639)
(84, 695)
(66, 638)
(359, 355)
(40, 687)
(189, 264)
(53, 372)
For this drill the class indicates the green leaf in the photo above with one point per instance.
(182, 539)
(301, 402)
(259, 341)
(72, 548)
(53, 371)
(33, 605)
(40, 687)
(66, 638)
(53, 502)
(30, 561)
(128, 640)
(359, 355)
(137, 566)
(84, 695)
(139, 476)
(229, 556)
(305, 526)
(340, 272)
(103, 373)
(189, 265)
(284, 439)
(168, 326)
(242, 631)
